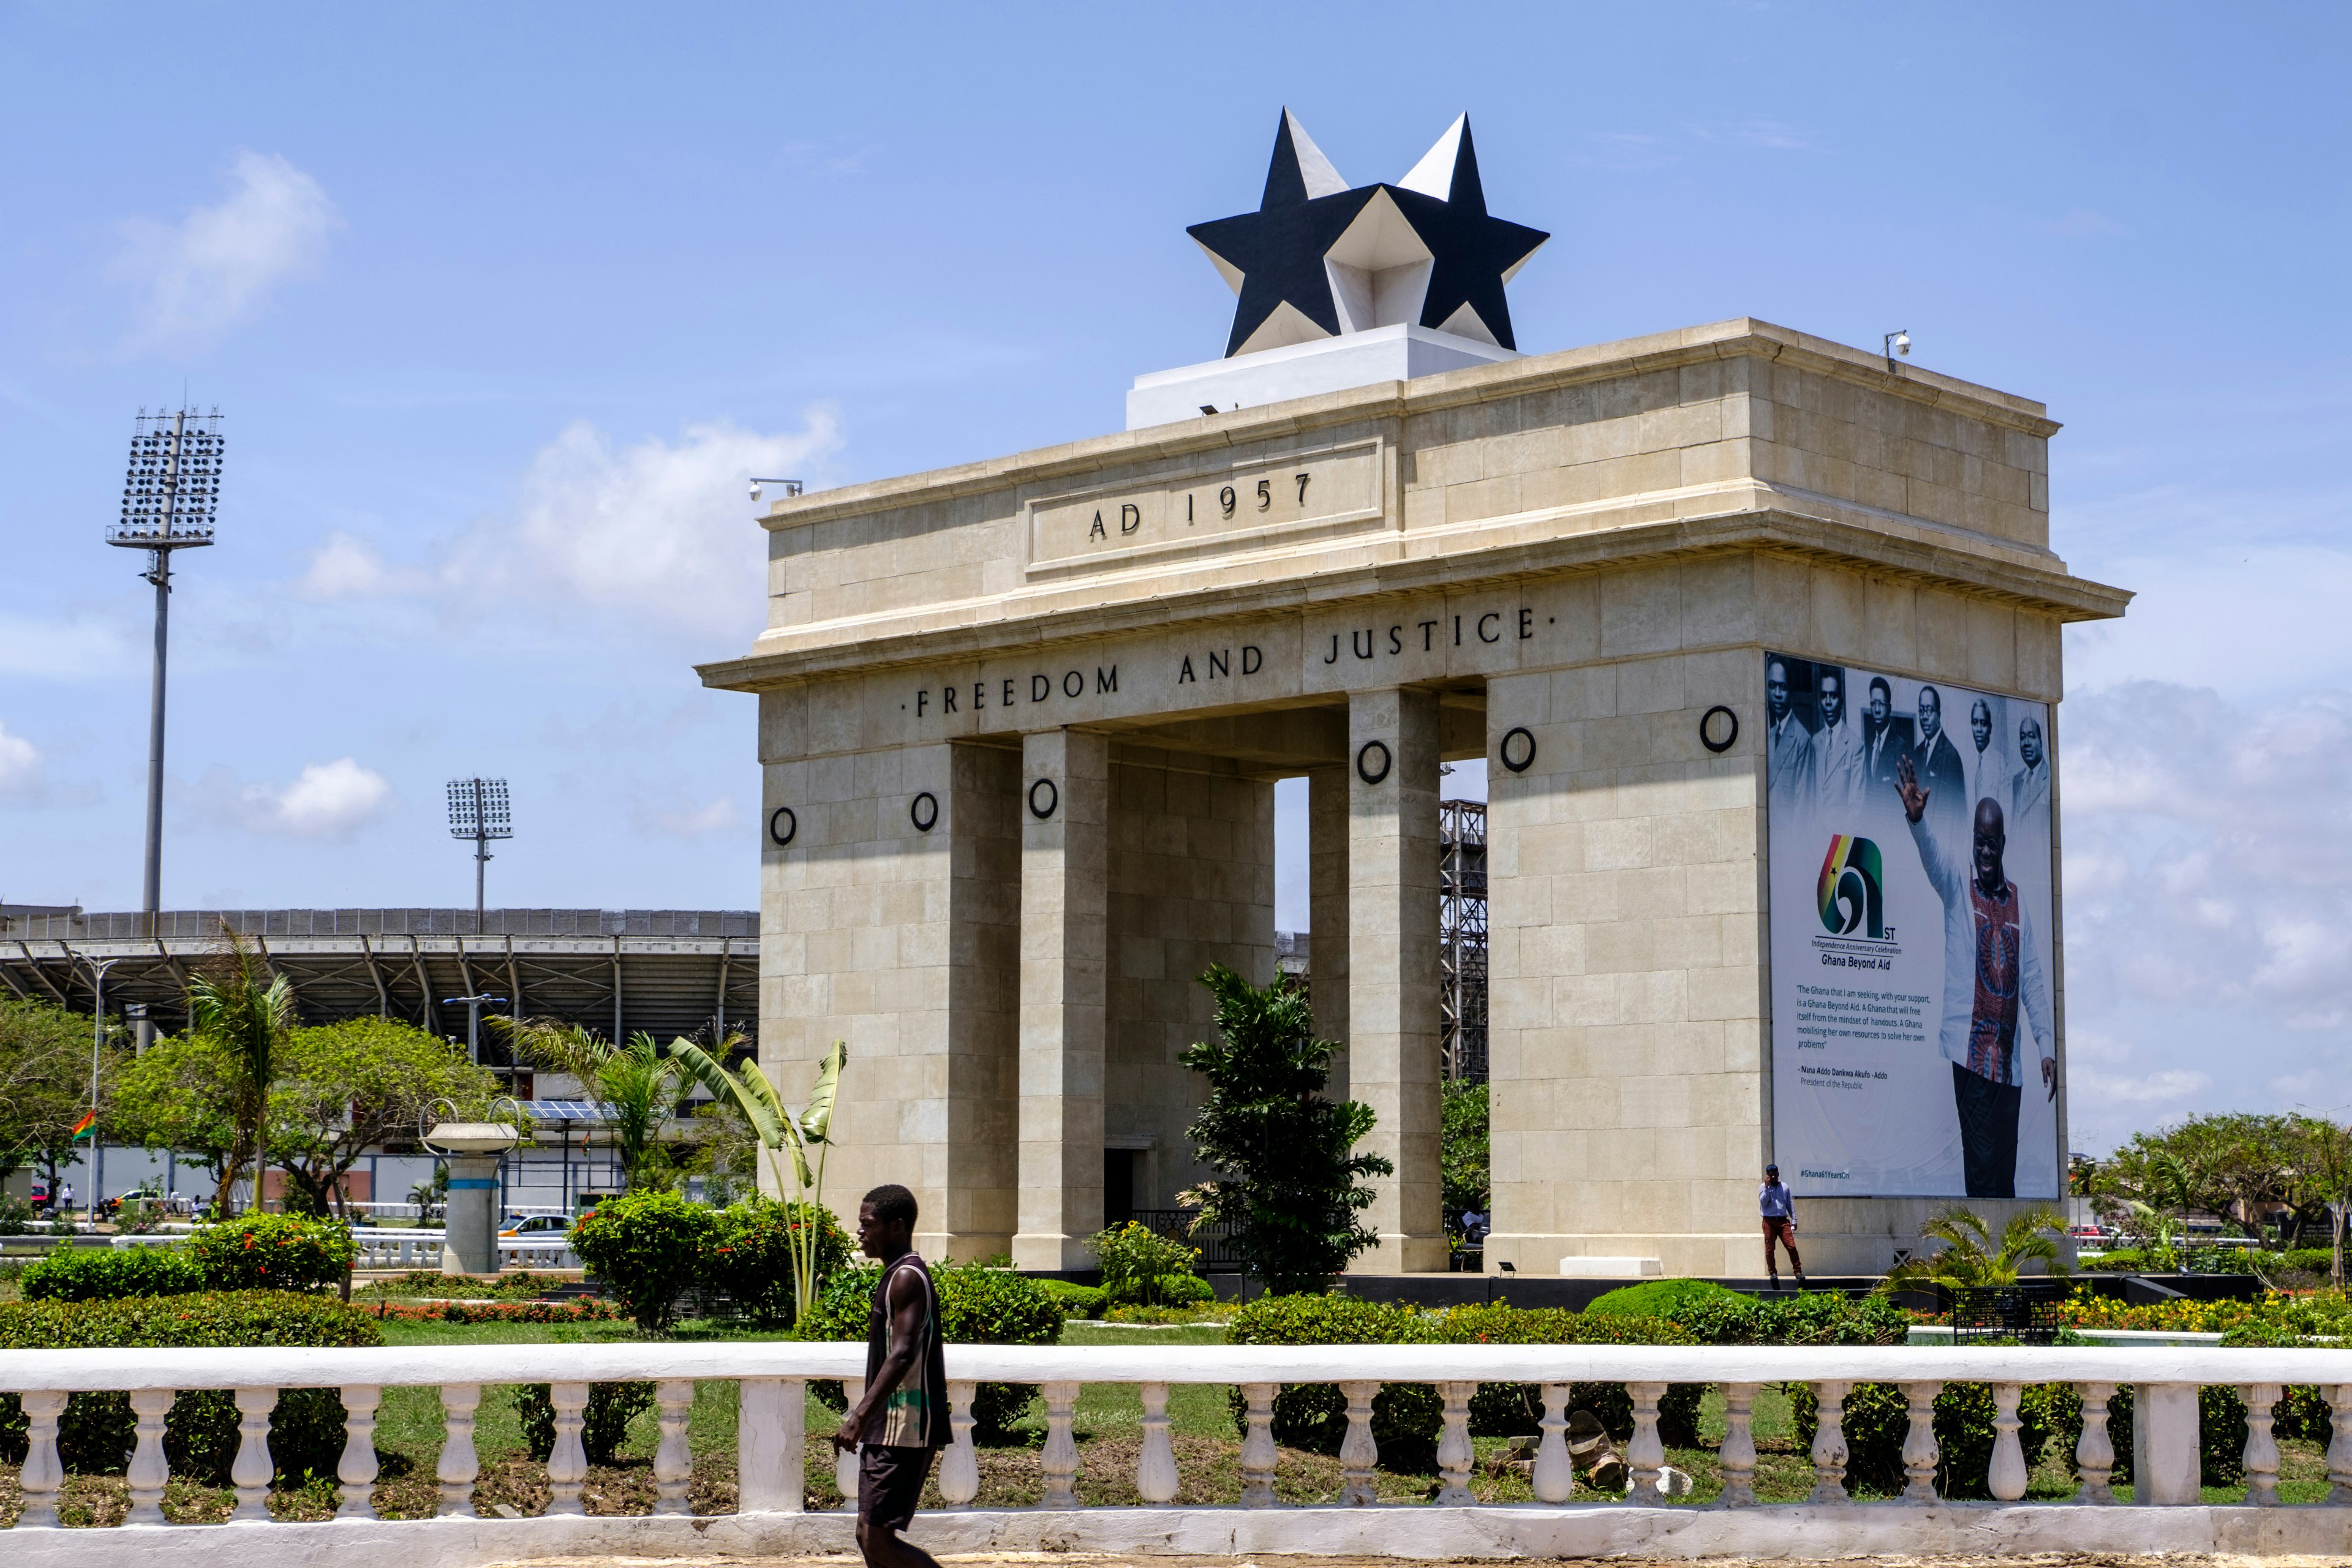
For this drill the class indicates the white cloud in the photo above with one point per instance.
(690, 821)
(327, 802)
(76, 647)
(657, 530)
(202, 276)
(23, 779)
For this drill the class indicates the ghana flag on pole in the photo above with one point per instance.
(82, 1128)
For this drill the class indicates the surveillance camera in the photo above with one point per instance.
(1903, 344)
(755, 489)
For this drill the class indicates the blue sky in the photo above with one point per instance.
(501, 304)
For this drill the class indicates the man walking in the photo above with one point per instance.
(1779, 1207)
(1992, 973)
(900, 1422)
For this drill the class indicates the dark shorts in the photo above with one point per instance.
(890, 1483)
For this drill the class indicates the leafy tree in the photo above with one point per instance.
(1969, 1256)
(1288, 1181)
(2327, 1157)
(641, 1087)
(748, 1094)
(1462, 1148)
(181, 1095)
(345, 1087)
(45, 1054)
(237, 1004)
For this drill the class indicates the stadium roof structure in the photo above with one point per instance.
(666, 971)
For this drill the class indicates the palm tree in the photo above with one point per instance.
(1968, 1259)
(640, 1089)
(747, 1091)
(240, 1007)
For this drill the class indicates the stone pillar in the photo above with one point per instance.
(1065, 947)
(1326, 913)
(1392, 974)
(470, 1243)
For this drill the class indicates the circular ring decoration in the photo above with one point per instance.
(1706, 729)
(782, 826)
(1373, 762)
(925, 812)
(1518, 749)
(1041, 810)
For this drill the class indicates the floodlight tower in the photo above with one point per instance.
(478, 810)
(169, 495)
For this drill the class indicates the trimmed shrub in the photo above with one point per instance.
(604, 1425)
(749, 1256)
(305, 1431)
(1407, 1417)
(1809, 1317)
(1141, 1267)
(978, 1306)
(1076, 1301)
(649, 1247)
(273, 1252)
(1668, 1298)
(110, 1274)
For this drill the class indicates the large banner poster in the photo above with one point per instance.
(1914, 1053)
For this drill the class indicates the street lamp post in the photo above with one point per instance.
(99, 967)
(169, 496)
(473, 1021)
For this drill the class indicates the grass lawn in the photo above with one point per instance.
(1108, 1428)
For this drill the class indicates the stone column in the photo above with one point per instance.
(1392, 974)
(1065, 950)
(1326, 913)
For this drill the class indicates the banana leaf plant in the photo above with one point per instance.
(750, 1094)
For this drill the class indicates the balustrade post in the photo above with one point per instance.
(1645, 1456)
(1061, 1455)
(1257, 1446)
(673, 1459)
(459, 1467)
(2095, 1451)
(1454, 1454)
(357, 1468)
(253, 1468)
(1736, 1458)
(1828, 1443)
(2261, 1448)
(43, 1476)
(2339, 1443)
(2005, 1479)
(1920, 1453)
(567, 1461)
(1359, 1453)
(1156, 1480)
(1553, 1475)
(149, 1471)
(844, 1461)
(770, 1445)
(960, 1467)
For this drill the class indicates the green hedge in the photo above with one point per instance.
(258, 1252)
(1407, 1417)
(649, 1249)
(1876, 1418)
(978, 1306)
(1076, 1301)
(306, 1432)
(113, 1273)
(604, 1425)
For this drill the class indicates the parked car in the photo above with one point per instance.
(539, 1225)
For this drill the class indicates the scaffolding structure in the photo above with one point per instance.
(1462, 939)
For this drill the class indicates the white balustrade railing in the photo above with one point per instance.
(772, 1377)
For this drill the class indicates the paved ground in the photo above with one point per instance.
(1090, 1559)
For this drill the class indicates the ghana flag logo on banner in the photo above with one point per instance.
(1849, 892)
(82, 1128)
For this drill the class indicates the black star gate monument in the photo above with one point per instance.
(1341, 285)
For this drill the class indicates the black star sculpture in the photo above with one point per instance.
(1319, 258)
